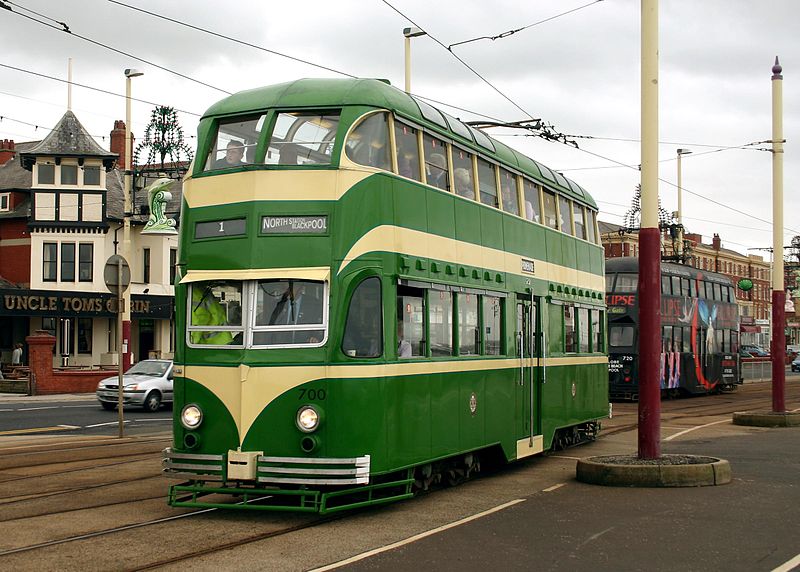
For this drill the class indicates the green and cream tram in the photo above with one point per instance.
(374, 296)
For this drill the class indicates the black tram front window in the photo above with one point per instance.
(215, 314)
(627, 283)
(303, 138)
(235, 143)
(620, 336)
(289, 312)
(368, 143)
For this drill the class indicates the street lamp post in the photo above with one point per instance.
(681, 152)
(410, 33)
(126, 220)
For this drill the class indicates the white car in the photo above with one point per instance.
(147, 384)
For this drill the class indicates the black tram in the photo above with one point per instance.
(699, 330)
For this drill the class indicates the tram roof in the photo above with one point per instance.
(631, 264)
(311, 93)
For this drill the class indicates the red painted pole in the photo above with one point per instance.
(778, 350)
(649, 343)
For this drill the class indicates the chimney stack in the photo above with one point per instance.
(7, 151)
(716, 243)
(118, 142)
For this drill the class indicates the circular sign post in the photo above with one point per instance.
(117, 276)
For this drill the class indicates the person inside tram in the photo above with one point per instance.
(463, 183)
(207, 311)
(234, 152)
(404, 346)
(437, 171)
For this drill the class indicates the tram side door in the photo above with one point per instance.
(527, 378)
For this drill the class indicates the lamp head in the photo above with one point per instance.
(413, 32)
(131, 72)
(684, 151)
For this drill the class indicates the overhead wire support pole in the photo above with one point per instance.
(649, 286)
(778, 290)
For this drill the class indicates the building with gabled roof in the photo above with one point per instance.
(61, 214)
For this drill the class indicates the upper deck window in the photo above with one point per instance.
(457, 127)
(508, 190)
(436, 163)
(565, 215)
(531, 192)
(407, 151)
(482, 139)
(462, 173)
(303, 138)
(235, 143)
(549, 200)
(368, 143)
(487, 183)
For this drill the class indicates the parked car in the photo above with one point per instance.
(796, 364)
(754, 351)
(147, 384)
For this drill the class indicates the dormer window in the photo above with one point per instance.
(47, 174)
(69, 174)
(91, 176)
(5, 202)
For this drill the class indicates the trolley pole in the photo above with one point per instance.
(778, 292)
(649, 245)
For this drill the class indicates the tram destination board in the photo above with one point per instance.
(299, 224)
(219, 228)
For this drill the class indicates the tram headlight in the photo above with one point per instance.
(308, 419)
(191, 416)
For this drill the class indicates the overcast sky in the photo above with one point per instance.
(578, 72)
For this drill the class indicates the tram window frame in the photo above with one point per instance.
(509, 196)
(349, 347)
(402, 144)
(592, 225)
(312, 330)
(535, 212)
(487, 181)
(666, 285)
(434, 140)
(564, 206)
(549, 209)
(666, 339)
(568, 329)
(686, 287)
(676, 285)
(435, 349)
(627, 282)
(584, 331)
(693, 288)
(468, 304)
(216, 159)
(717, 292)
(580, 227)
(493, 341)
(620, 333)
(369, 144)
(233, 329)
(677, 338)
(463, 159)
(302, 153)
(418, 346)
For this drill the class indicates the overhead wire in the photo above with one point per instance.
(65, 28)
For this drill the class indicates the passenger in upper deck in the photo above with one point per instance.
(463, 183)
(437, 171)
(233, 156)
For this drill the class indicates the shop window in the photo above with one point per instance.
(84, 335)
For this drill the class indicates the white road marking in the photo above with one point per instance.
(565, 457)
(787, 566)
(554, 487)
(690, 429)
(38, 408)
(416, 537)
(151, 419)
(79, 406)
(104, 424)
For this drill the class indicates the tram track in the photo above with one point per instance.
(140, 457)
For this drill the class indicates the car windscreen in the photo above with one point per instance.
(154, 368)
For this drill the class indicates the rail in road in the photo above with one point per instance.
(92, 503)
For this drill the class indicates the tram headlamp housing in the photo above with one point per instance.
(308, 419)
(191, 416)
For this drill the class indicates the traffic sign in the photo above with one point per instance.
(111, 274)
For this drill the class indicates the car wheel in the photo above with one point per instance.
(108, 406)
(152, 402)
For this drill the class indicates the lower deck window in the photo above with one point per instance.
(363, 335)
